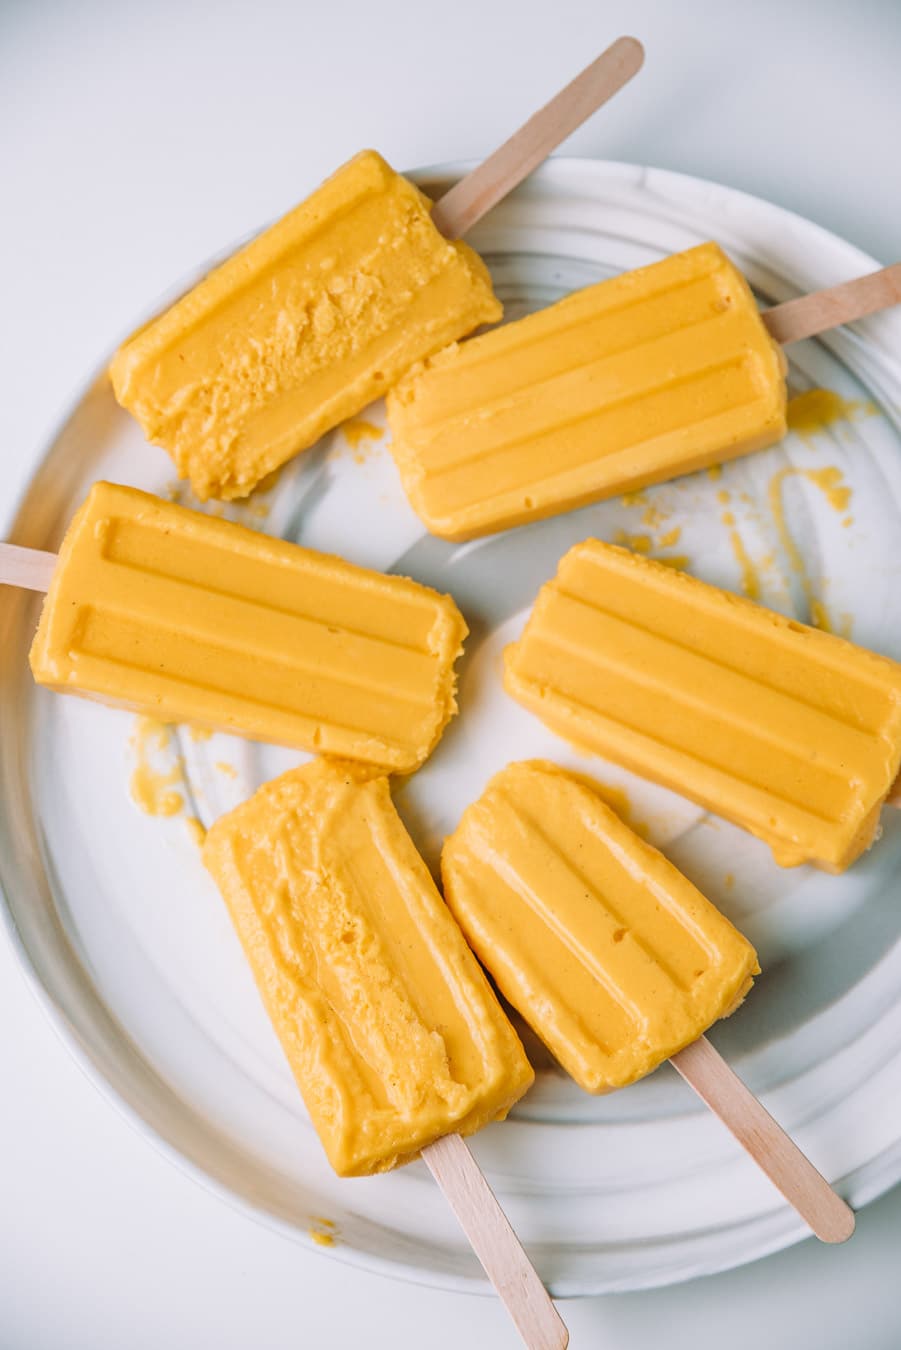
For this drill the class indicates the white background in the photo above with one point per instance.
(136, 140)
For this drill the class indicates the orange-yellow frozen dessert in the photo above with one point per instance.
(300, 329)
(390, 1028)
(612, 956)
(638, 379)
(186, 618)
(787, 731)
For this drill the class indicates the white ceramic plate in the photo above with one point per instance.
(128, 944)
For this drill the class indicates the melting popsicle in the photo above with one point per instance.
(787, 731)
(300, 329)
(170, 612)
(325, 310)
(396, 1040)
(389, 1026)
(612, 956)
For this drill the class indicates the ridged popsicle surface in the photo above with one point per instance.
(612, 956)
(188, 618)
(792, 733)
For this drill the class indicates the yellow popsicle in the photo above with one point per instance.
(612, 956)
(171, 613)
(652, 374)
(390, 1028)
(301, 329)
(789, 732)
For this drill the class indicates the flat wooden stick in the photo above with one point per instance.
(495, 1243)
(774, 1153)
(467, 201)
(821, 310)
(27, 567)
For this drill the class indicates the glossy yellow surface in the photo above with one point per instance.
(789, 732)
(635, 380)
(392, 1031)
(613, 958)
(301, 329)
(186, 618)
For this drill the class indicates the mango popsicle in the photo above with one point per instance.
(613, 957)
(170, 612)
(609, 953)
(300, 329)
(390, 1028)
(787, 731)
(651, 374)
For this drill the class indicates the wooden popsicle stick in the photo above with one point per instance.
(29, 568)
(467, 201)
(821, 310)
(773, 1151)
(495, 1243)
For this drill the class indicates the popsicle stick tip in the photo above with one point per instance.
(467, 201)
(778, 1156)
(495, 1244)
(631, 49)
(842, 1225)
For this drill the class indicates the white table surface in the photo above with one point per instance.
(137, 139)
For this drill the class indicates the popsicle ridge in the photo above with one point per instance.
(791, 732)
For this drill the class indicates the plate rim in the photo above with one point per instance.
(877, 1175)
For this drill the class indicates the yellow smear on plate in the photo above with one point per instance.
(357, 432)
(838, 495)
(638, 543)
(196, 830)
(714, 471)
(645, 544)
(819, 615)
(152, 789)
(750, 577)
(228, 769)
(324, 1232)
(199, 733)
(634, 498)
(817, 409)
(653, 517)
(832, 486)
